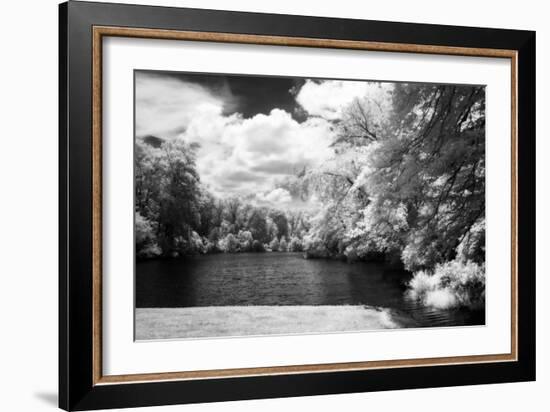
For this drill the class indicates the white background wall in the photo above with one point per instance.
(28, 204)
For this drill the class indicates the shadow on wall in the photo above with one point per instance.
(49, 398)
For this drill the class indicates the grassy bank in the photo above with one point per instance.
(173, 323)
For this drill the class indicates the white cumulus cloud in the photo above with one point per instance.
(327, 99)
(276, 196)
(247, 156)
(166, 106)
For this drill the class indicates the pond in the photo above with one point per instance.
(283, 279)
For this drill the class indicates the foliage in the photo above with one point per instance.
(274, 245)
(146, 246)
(245, 240)
(451, 284)
(295, 245)
(229, 244)
(257, 246)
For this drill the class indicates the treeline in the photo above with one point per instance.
(176, 216)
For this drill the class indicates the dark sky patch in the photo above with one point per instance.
(252, 94)
(153, 141)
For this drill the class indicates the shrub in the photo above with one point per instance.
(148, 251)
(245, 240)
(450, 285)
(211, 247)
(144, 230)
(146, 242)
(283, 245)
(257, 246)
(295, 245)
(229, 244)
(315, 248)
(274, 245)
(196, 244)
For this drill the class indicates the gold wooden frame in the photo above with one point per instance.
(101, 31)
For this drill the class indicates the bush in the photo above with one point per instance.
(257, 246)
(295, 245)
(245, 240)
(146, 242)
(211, 247)
(196, 244)
(148, 251)
(452, 284)
(315, 248)
(229, 244)
(274, 245)
(283, 245)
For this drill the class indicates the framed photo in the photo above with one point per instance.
(257, 206)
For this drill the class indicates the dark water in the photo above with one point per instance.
(282, 279)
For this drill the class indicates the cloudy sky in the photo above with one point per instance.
(252, 131)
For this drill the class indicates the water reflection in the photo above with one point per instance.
(282, 279)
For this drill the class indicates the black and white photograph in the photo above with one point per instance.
(269, 205)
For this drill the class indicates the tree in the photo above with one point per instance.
(258, 226)
(207, 211)
(280, 220)
(425, 180)
(148, 177)
(179, 211)
(231, 211)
